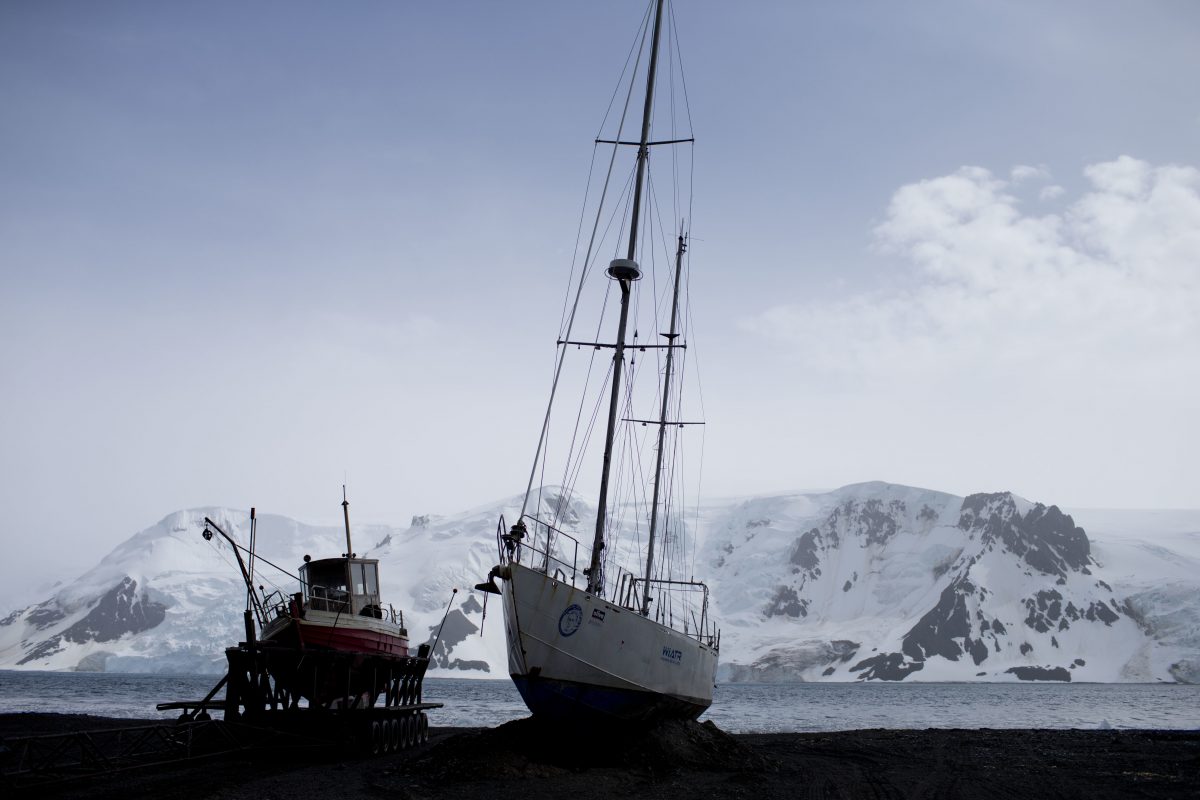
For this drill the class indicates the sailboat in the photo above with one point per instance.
(613, 641)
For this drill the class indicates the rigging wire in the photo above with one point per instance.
(634, 45)
(613, 218)
(217, 548)
(579, 292)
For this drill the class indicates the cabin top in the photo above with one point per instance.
(342, 585)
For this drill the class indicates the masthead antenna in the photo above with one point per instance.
(346, 515)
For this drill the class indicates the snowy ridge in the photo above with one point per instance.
(883, 582)
(872, 581)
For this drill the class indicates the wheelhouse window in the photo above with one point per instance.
(365, 582)
(325, 585)
(344, 586)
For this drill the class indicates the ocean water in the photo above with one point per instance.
(738, 708)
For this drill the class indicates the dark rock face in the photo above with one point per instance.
(455, 630)
(869, 523)
(1047, 539)
(934, 633)
(872, 522)
(886, 667)
(804, 553)
(1045, 609)
(879, 525)
(1041, 673)
(978, 650)
(46, 647)
(786, 602)
(1046, 612)
(44, 615)
(120, 611)
(1001, 539)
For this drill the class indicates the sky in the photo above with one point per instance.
(251, 252)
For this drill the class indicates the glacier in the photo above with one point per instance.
(872, 581)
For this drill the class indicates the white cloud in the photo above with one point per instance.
(1024, 172)
(1079, 327)
(1121, 267)
(1051, 192)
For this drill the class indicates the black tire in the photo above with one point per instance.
(397, 740)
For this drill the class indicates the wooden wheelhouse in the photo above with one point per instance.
(342, 585)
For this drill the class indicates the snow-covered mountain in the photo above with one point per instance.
(876, 581)
(872, 581)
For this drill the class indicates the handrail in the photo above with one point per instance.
(512, 545)
(548, 526)
(547, 554)
(702, 633)
(321, 598)
(501, 529)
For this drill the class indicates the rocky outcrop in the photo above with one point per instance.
(119, 612)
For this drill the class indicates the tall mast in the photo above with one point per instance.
(346, 516)
(625, 271)
(662, 424)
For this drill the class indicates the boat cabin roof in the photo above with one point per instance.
(321, 563)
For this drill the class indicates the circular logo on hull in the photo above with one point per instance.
(570, 620)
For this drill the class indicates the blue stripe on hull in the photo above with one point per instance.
(555, 699)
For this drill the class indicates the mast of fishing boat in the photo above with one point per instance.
(625, 271)
(346, 515)
(662, 424)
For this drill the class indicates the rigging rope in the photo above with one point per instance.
(579, 292)
(629, 491)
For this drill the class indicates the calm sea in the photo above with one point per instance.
(738, 708)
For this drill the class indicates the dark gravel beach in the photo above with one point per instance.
(524, 760)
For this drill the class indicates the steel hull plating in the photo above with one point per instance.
(348, 634)
(573, 654)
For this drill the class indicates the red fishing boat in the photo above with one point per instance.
(338, 607)
(331, 659)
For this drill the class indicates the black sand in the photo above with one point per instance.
(681, 762)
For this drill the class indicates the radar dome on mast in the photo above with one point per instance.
(624, 269)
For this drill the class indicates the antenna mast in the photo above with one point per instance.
(346, 515)
(662, 424)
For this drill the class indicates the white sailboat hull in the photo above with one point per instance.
(571, 653)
